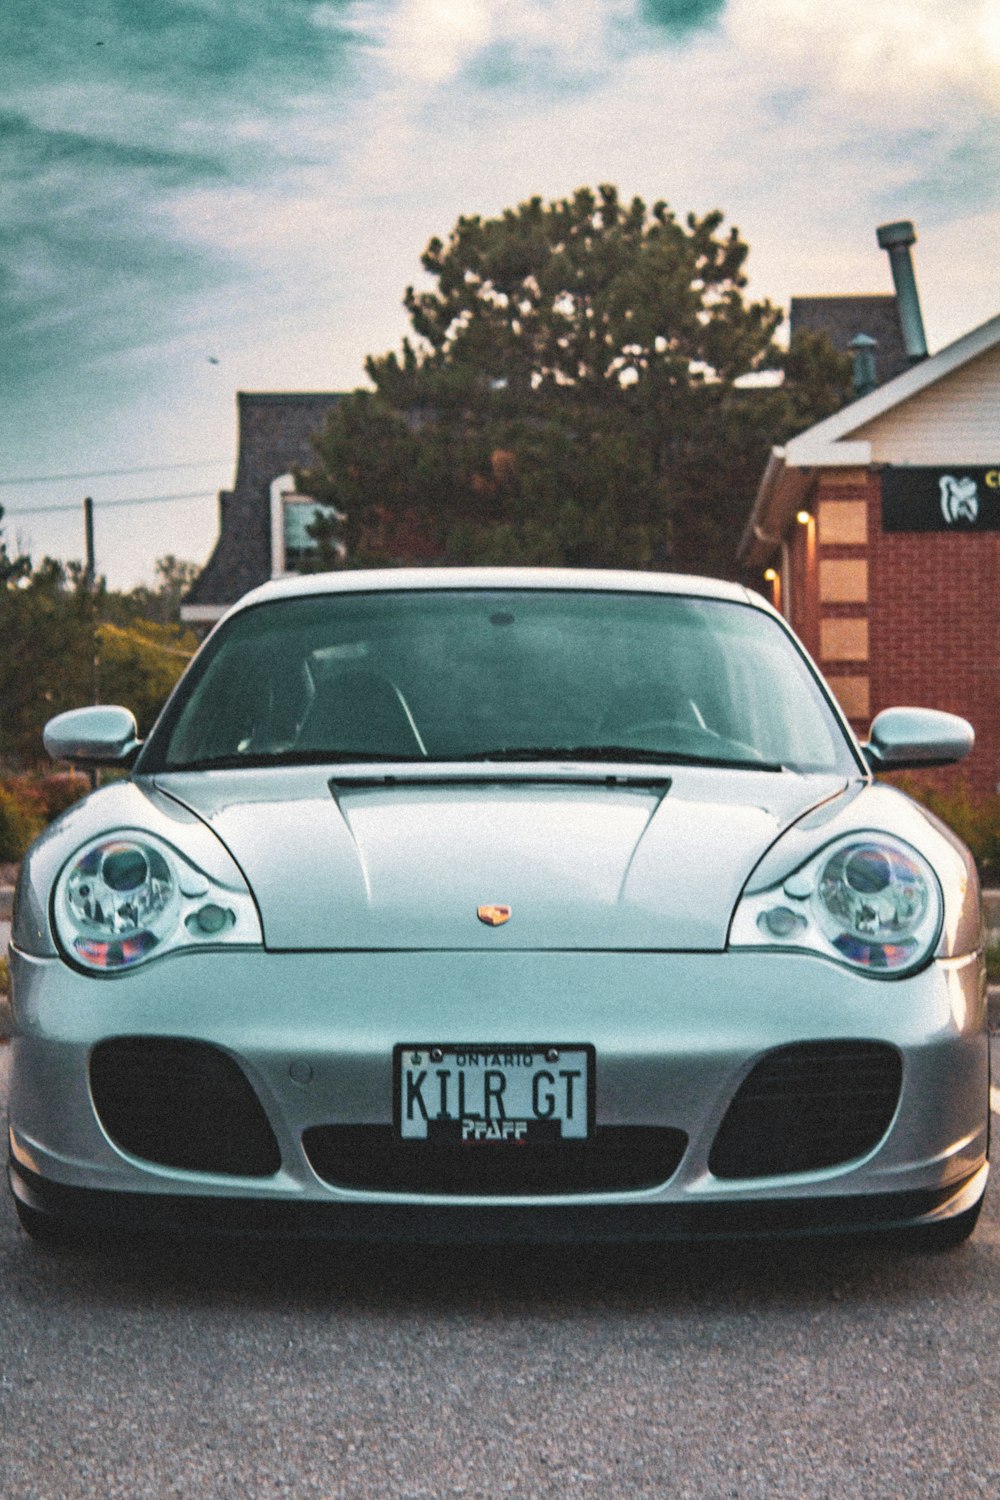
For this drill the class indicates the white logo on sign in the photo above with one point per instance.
(959, 499)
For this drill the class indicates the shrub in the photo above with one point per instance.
(30, 801)
(974, 817)
(993, 963)
(22, 818)
(59, 790)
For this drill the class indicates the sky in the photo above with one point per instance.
(205, 196)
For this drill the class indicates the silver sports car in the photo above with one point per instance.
(497, 904)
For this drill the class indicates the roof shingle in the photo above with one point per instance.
(275, 432)
(843, 318)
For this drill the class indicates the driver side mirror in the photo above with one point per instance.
(105, 735)
(906, 739)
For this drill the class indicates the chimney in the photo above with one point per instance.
(865, 378)
(897, 239)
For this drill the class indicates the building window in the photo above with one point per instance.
(292, 548)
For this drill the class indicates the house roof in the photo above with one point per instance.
(843, 318)
(275, 436)
(832, 443)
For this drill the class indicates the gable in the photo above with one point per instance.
(954, 421)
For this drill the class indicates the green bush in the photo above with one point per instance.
(58, 790)
(974, 817)
(22, 818)
(29, 802)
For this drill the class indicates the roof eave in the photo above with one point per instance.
(806, 453)
(783, 490)
(790, 471)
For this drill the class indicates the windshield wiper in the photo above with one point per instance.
(624, 753)
(291, 758)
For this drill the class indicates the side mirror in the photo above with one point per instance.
(104, 735)
(905, 739)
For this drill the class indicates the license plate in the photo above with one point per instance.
(511, 1093)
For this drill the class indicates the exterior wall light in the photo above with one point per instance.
(803, 517)
(770, 575)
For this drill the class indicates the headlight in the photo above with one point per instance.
(868, 900)
(130, 897)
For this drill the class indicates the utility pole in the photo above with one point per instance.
(88, 534)
(89, 579)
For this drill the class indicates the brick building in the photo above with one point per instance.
(877, 532)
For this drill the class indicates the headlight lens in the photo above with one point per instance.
(869, 900)
(124, 899)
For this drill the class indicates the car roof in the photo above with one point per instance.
(390, 580)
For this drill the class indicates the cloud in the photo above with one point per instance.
(256, 178)
(807, 124)
(948, 172)
(503, 42)
(248, 50)
(115, 113)
(877, 58)
(158, 155)
(430, 40)
(77, 244)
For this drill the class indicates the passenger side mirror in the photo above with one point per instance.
(905, 739)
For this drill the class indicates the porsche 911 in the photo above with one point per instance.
(499, 905)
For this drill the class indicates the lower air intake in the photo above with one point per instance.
(181, 1104)
(618, 1158)
(807, 1106)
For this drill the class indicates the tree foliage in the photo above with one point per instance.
(583, 294)
(65, 646)
(163, 604)
(571, 393)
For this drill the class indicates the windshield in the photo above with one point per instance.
(473, 674)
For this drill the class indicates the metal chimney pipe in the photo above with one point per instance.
(865, 377)
(897, 239)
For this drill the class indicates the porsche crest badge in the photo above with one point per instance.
(493, 916)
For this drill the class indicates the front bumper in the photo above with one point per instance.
(674, 1035)
(108, 1213)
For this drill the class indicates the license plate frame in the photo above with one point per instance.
(470, 1128)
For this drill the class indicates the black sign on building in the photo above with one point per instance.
(953, 499)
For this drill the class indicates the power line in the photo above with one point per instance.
(48, 510)
(193, 463)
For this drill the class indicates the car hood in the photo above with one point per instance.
(586, 861)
